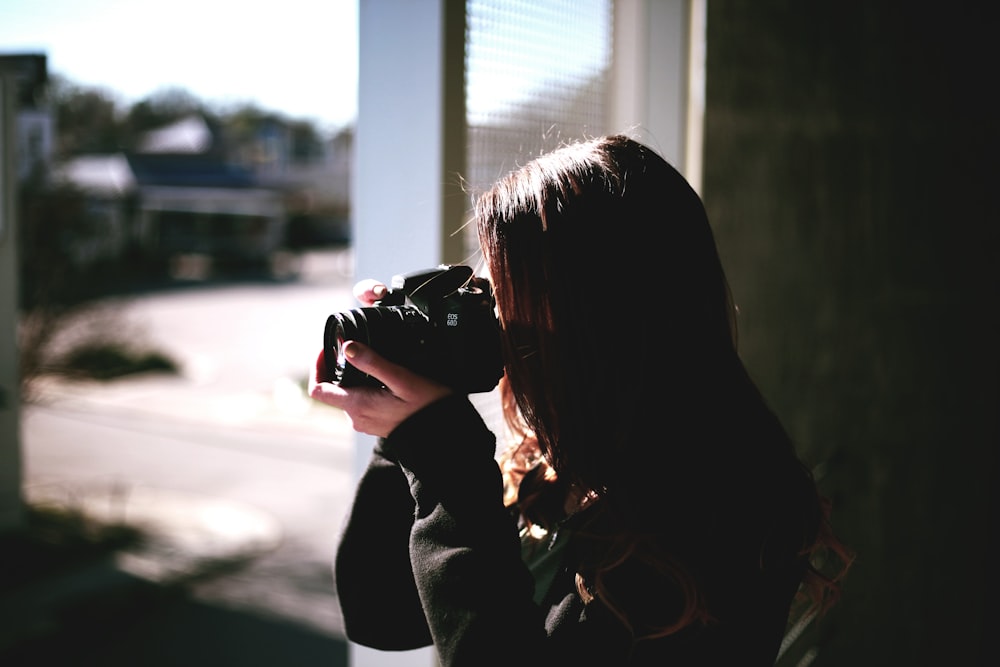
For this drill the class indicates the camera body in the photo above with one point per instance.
(438, 323)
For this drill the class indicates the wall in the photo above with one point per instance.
(849, 164)
(11, 507)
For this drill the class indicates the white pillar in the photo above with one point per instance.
(658, 78)
(11, 506)
(410, 136)
(409, 150)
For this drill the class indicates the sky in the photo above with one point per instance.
(295, 57)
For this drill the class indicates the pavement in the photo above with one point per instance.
(145, 603)
(181, 595)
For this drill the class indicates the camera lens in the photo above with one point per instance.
(395, 332)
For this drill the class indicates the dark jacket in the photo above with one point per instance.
(429, 554)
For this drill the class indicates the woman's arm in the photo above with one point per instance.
(464, 551)
(464, 548)
(375, 587)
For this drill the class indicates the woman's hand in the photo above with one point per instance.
(371, 410)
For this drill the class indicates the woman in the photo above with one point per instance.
(651, 509)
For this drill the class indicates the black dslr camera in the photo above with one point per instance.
(438, 323)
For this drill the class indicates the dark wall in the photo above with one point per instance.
(850, 174)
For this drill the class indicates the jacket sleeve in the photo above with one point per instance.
(375, 587)
(464, 549)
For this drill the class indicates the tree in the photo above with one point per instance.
(162, 108)
(86, 119)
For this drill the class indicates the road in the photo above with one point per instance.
(232, 437)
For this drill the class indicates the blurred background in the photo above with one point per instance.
(174, 239)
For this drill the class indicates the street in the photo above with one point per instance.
(232, 433)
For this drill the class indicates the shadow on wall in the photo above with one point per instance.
(849, 165)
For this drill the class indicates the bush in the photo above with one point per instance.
(107, 361)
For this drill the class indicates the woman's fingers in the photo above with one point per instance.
(369, 291)
(372, 410)
(400, 381)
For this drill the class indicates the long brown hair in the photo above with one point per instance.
(622, 375)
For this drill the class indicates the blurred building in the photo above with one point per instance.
(34, 123)
(316, 192)
(185, 191)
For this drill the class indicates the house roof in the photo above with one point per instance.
(120, 174)
(181, 154)
(189, 170)
(108, 175)
(187, 135)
